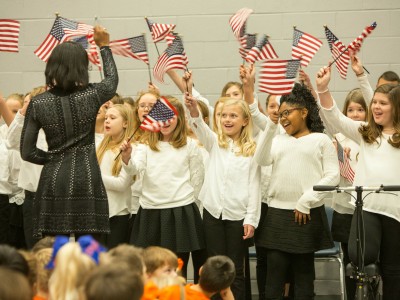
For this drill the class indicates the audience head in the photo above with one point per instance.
(160, 261)
(10, 258)
(67, 67)
(14, 285)
(114, 281)
(217, 274)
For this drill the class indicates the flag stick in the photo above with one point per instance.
(340, 56)
(96, 22)
(148, 67)
(155, 44)
(148, 57)
(128, 140)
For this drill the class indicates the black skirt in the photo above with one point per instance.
(179, 229)
(279, 231)
(341, 224)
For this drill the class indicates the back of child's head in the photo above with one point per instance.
(31, 261)
(14, 285)
(301, 97)
(388, 77)
(71, 268)
(245, 141)
(114, 281)
(12, 259)
(42, 258)
(131, 255)
(157, 257)
(217, 274)
(46, 242)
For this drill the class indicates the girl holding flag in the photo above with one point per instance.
(172, 171)
(378, 163)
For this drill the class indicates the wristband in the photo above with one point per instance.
(323, 92)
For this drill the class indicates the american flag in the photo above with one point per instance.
(247, 42)
(172, 58)
(62, 30)
(304, 46)
(9, 35)
(277, 77)
(238, 21)
(159, 31)
(262, 50)
(339, 53)
(134, 47)
(344, 164)
(170, 37)
(356, 44)
(89, 45)
(162, 113)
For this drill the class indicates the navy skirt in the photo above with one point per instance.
(179, 229)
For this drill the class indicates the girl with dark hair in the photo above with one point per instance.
(295, 225)
(378, 163)
(70, 198)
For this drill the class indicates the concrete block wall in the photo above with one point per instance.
(210, 45)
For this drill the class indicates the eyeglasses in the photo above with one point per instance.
(287, 112)
(144, 105)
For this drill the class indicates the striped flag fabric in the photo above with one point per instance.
(238, 21)
(61, 31)
(261, 51)
(277, 77)
(340, 53)
(159, 31)
(9, 35)
(247, 42)
(304, 46)
(134, 47)
(162, 113)
(355, 45)
(170, 37)
(346, 170)
(89, 45)
(174, 57)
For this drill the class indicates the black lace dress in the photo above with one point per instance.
(71, 197)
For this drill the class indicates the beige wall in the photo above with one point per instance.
(209, 42)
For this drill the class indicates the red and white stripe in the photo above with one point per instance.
(122, 47)
(339, 50)
(9, 35)
(165, 63)
(238, 20)
(306, 48)
(272, 78)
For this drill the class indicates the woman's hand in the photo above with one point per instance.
(248, 231)
(101, 36)
(126, 151)
(300, 217)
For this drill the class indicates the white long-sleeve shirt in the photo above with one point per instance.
(170, 177)
(366, 88)
(118, 188)
(297, 165)
(231, 189)
(378, 163)
(28, 178)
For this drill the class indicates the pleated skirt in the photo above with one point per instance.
(179, 229)
(279, 231)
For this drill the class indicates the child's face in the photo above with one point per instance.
(292, 119)
(232, 121)
(165, 270)
(234, 92)
(218, 110)
(114, 124)
(272, 106)
(381, 108)
(145, 104)
(356, 112)
(14, 105)
(168, 130)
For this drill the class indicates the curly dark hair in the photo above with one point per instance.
(302, 97)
